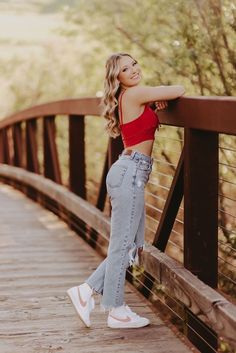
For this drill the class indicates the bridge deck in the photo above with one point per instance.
(40, 259)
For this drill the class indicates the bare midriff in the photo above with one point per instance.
(144, 147)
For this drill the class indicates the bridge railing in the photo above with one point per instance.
(202, 125)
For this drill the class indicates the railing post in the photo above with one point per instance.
(115, 147)
(6, 147)
(102, 190)
(1, 147)
(171, 208)
(50, 155)
(201, 221)
(18, 145)
(32, 163)
(201, 204)
(77, 167)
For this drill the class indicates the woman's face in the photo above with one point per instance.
(130, 72)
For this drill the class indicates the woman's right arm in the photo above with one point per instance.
(146, 94)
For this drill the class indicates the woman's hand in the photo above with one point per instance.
(160, 105)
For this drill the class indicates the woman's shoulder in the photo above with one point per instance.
(133, 91)
(140, 94)
(147, 94)
(131, 96)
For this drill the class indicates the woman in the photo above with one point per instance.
(127, 110)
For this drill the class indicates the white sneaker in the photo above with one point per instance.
(124, 317)
(82, 302)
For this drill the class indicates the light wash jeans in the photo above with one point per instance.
(125, 182)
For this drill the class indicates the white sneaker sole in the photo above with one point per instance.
(71, 294)
(128, 324)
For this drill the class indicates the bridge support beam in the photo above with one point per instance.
(201, 204)
(201, 221)
(18, 145)
(51, 161)
(77, 155)
(32, 164)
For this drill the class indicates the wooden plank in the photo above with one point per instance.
(35, 313)
(173, 272)
(203, 301)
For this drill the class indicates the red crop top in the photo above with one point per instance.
(140, 129)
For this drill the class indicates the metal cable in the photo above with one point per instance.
(222, 211)
(227, 197)
(227, 165)
(160, 198)
(153, 207)
(158, 185)
(227, 181)
(228, 278)
(227, 245)
(190, 314)
(155, 196)
(227, 230)
(152, 219)
(227, 149)
(163, 162)
(166, 175)
(226, 262)
(170, 138)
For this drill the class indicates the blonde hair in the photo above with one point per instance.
(112, 90)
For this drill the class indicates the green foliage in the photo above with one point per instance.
(188, 41)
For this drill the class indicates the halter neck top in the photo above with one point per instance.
(140, 129)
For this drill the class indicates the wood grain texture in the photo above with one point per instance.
(207, 113)
(202, 300)
(40, 258)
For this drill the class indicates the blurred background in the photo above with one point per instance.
(52, 49)
(56, 49)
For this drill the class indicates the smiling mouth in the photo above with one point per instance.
(135, 76)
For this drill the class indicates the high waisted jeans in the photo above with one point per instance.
(125, 182)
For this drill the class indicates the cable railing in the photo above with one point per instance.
(188, 219)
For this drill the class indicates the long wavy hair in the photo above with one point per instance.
(112, 90)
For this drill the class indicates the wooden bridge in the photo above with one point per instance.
(185, 283)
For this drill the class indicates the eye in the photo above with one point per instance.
(124, 69)
(134, 63)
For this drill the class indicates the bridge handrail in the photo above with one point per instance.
(215, 114)
(203, 119)
(201, 299)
